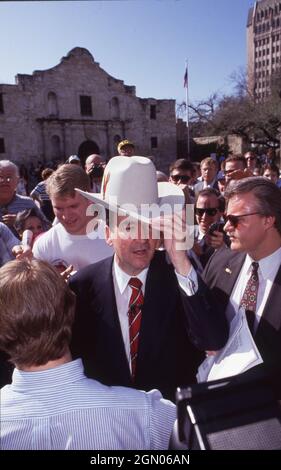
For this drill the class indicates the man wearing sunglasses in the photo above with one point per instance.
(209, 208)
(253, 223)
(181, 174)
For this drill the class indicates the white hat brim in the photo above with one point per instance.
(170, 196)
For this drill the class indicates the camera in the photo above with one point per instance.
(215, 227)
(96, 171)
(235, 413)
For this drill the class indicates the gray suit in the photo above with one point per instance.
(220, 276)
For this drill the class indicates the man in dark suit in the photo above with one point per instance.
(208, 234)
(253, 223)
(176, 318)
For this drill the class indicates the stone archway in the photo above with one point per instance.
(87, 148)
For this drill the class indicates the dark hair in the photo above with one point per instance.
(36, 312)
(212, 192)
(267, 194)
(236, 158)
(46, 173)
(181, 164)
(23, 215)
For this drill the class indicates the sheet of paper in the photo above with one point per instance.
(238, 355)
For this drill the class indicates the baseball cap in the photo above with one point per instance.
(123, 143)
(73, 159)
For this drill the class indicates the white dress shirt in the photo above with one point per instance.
(267, 271)
(123, 291)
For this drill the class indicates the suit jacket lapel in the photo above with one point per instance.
(272, 307)
(108, 310)
(156, 310)
(231, 272)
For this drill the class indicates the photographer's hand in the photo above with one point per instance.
(216, 240)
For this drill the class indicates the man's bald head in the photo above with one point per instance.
(91, 160)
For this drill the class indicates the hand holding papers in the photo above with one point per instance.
(239, 354)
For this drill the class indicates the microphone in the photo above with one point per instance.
(27, 237)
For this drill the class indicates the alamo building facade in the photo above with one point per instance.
(76, 107)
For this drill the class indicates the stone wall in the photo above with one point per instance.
(42, 117)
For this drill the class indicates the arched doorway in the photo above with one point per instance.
(87, 148)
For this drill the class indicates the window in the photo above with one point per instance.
(2, 145)
(153, 111)
(154, 142)
(1, 103)
(115, 109)
(52, 104)
(86, 105)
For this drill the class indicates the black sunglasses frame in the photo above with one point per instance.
(235, 219)
(183, 178)
(211, 211)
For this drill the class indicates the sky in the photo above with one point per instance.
(142, 42)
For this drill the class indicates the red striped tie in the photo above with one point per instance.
(134, 313)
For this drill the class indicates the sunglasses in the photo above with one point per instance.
(211, 211)
(183, 178)
(235, 219)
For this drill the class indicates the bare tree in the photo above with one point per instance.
(258, 122)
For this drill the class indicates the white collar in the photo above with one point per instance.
(123, 278)
(266, 265)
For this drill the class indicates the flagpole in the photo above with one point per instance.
(187, 110)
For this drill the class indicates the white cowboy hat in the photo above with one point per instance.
(130, 187)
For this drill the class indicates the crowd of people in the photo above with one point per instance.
(105, 308)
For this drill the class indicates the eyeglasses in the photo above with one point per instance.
(235, 219)
(211, 211)
(250, 158)
(8, 179)
(182, 178)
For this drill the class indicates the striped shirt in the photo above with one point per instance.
(61, 408)
(40, 192)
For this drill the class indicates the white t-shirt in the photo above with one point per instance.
(59, 247)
